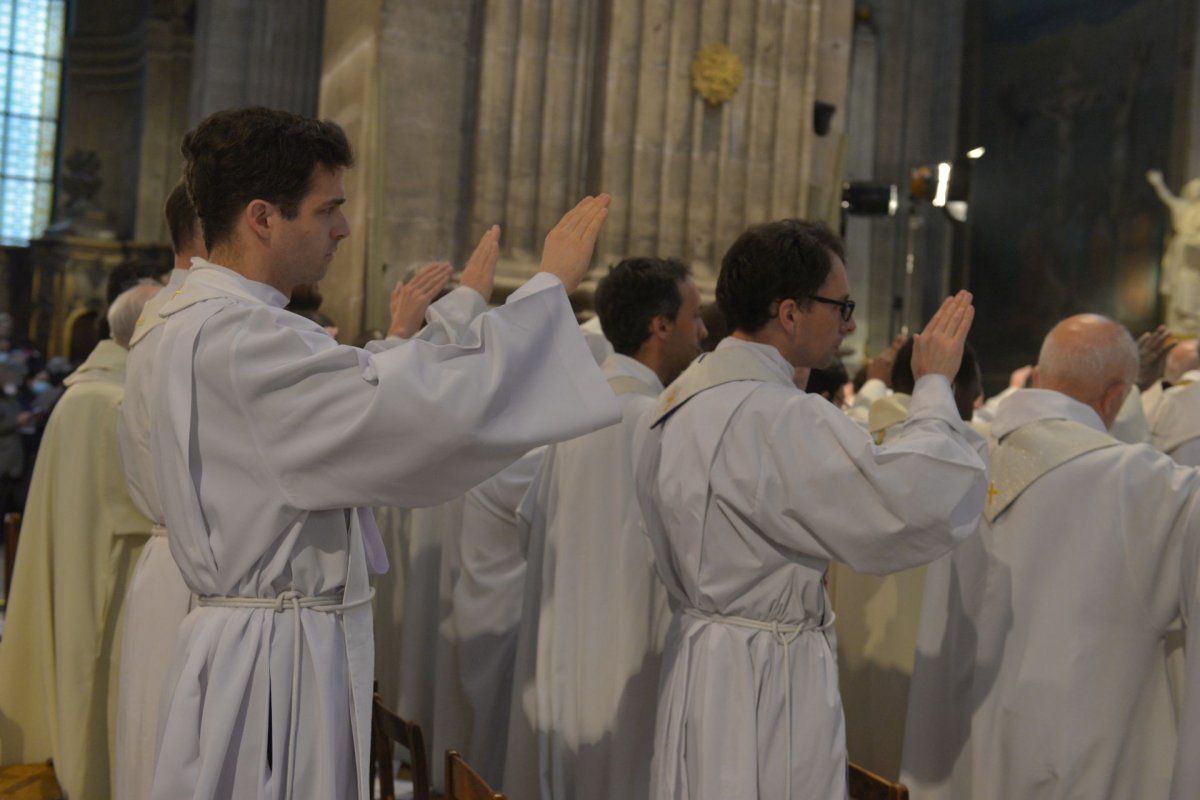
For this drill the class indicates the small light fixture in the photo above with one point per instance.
(943, 184)
(976, 153)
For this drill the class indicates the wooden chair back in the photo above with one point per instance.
(866, 785)
(29, 782)
(464, 783)
(12, 531)
(388, 729)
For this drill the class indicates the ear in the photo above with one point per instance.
(260, 218)
(660, 326)
(789, 313)
(1114, 398)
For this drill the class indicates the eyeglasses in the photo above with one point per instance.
(847, 306)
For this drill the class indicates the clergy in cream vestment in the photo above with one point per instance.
(750, 488)
(596, 614)
(80, 537)
(1041, 668)
(878, 614)
(272, 443)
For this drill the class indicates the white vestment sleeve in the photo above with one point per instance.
(447, 320)
(902, 504)
(341, 427)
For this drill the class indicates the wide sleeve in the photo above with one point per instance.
(448, 321)
(418, 423)
(829, 491)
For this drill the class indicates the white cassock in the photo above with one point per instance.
(80, 537)
(484, 570)
(1041, 670)
(272, 443)
(158, 599)
(406, 627)
(749, 489)
(583, 716)
(408, 609)
(477, 610)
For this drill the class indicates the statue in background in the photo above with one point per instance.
(1181, 261)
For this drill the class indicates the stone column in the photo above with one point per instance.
(509, 111)
(168, 72)
(257, 52)
(920, 56)
(101, 102)
(873, 296)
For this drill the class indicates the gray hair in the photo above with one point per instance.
(124, 312)
(1088, 352)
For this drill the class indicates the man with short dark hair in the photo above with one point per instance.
(595, 614)
(271, 442)
(750, 488)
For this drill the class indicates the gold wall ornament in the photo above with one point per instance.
(717, 73)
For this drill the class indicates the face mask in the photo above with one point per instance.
(40, 387)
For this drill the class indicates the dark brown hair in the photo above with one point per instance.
(181, 217)
(772, 262)
(234, 157)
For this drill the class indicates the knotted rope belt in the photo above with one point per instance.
(290, 600)
(158, 530)
(784, 633)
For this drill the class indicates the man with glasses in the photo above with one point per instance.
(750, 488)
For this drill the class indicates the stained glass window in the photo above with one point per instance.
(31, 44)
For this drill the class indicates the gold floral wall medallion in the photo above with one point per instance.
(716, 73)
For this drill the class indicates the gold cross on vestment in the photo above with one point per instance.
(992, 492)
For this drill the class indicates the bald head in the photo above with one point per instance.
(1091, 359)
(1184, 357)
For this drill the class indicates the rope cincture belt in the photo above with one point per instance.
(289, 600)
(784, 633)
(158, 530)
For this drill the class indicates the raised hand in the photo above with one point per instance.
(410, 300)
(570, 244)
(1019, 379)
(880, 367)
(1153, 347)
(480, 272)
(938, 349)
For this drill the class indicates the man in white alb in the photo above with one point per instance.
(157, 600)
(1041, 669)
(595, 613)
(272, 442)
(750, 488)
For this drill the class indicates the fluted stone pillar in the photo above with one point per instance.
(466, 114)
(257, 52)
(101, 105)
(165, 91)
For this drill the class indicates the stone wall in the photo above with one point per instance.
(508, 112)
